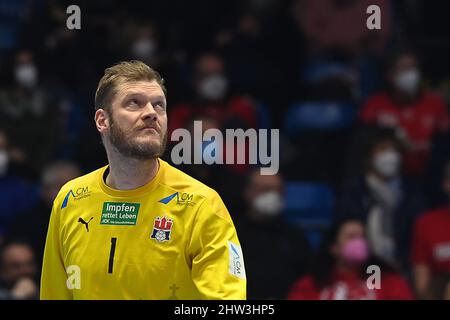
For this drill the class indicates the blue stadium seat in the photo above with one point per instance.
(325, 115)
(8, 36)
(264, 117)
(309, 205)
(317, 70)
(11, 12)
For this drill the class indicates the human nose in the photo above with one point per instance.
(149, 112)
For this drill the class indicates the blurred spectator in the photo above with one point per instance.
(26, 111)
(408, 107)
(16, 183)
(387, 202)
(31, 225)
(336, 26)
(145, 45)
(221, 177)
(340, 270)
(431, 249)
(18, 271)
(275, 252)
(212, 98)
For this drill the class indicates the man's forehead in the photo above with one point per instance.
(148, 87)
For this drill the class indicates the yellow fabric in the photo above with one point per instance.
(199, 260)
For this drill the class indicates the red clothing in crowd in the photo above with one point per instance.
(431, 241)
(419, 122)
(240, 107)
(352, 287)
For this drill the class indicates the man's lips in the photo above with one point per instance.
(149, 129)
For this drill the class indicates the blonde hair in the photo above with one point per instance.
(122, 72)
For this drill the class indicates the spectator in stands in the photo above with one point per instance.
(431, 249)
(212, 98)
(217, 176)
(31, 225)
(408, 107)
(16, 183)
(145, 45)
(340, 272)
(383, 198)
(275, 252)
(18, 272)
(26, 110)
(335, 26)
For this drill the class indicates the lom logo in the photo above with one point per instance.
(82, 192)
(166, 200)
(236, 260)
(120, 213)
(182, 198)
(162, 228)
(186, 197)
(79, 194)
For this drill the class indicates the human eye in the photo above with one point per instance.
(159, 104)
(133, 102)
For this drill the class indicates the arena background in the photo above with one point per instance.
(309, 68)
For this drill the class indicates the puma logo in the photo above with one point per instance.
(80, 220)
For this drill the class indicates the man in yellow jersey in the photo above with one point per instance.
(139, 228)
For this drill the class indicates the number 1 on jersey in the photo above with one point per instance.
(111, 255)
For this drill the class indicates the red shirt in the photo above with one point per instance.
(419, 121)
(352, 287)
(431, 242)
(239, 107)
(242, 108)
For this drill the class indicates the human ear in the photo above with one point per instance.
(101, 119)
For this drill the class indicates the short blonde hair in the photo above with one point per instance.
(122, 72)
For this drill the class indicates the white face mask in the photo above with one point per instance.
(213, 87)
(408, 81)
(26, 75)
(4, 161)
(144, 48)
(269, 203)
(387, 163)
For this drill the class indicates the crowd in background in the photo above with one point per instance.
(363, 114)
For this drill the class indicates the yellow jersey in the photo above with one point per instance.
(172, 238)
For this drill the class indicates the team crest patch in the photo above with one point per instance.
(162, 228)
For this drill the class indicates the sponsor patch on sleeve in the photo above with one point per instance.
(236, 267)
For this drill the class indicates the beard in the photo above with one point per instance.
(130, 148)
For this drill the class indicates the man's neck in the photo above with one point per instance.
(128, 174)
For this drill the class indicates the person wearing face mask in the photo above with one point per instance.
(383, 198)
(408, 107)
(27, 110)
(145, 45)
(339, 271)
(212, 98)
(276, 253)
